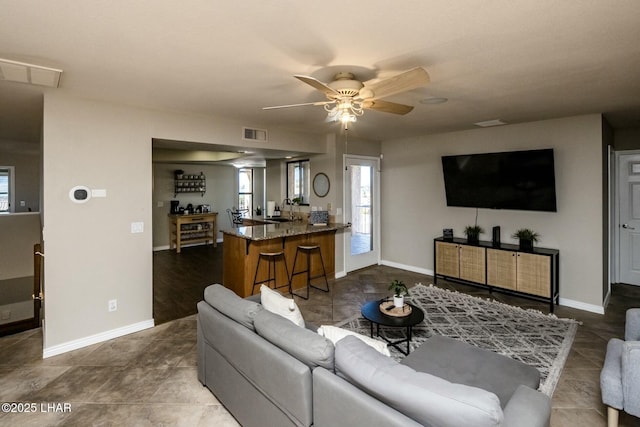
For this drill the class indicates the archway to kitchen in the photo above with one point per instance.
(179, 279)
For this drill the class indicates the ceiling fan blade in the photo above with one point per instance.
(387, 107)
(298, 105)
(402, 82)
(317, 84)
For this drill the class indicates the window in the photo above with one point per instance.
(245, 191)
(6, 188)
(298, 181)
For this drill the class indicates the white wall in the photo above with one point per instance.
(414, 208)
(91, 255)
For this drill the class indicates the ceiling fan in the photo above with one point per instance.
(347, 98)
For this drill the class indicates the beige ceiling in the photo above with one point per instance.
(493, 59)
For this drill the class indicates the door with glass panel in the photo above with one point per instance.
(362, 242)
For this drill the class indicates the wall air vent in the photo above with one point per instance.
(490, 123)
(21, 72)
(250, 134)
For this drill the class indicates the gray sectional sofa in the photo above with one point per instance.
(268, 371)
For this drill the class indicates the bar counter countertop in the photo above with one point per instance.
(281, 229)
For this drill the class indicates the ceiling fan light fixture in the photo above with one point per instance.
(345, 110)
(347, 117)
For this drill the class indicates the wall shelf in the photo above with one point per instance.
(188, 183)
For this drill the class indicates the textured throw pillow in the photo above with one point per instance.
(335, 334)
(276, 303)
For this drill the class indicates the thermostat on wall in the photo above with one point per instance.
(80, 194)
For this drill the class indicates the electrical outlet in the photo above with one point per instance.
(113, 304)
(329, 207)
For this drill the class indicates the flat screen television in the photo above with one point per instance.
(517, 180)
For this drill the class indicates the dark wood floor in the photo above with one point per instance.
(179, 280)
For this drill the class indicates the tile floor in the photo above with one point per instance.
(149, 378)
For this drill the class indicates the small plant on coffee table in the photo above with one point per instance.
(399, 292)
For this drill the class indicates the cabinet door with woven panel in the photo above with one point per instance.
(533, 274)
(501, 269)
(447, 259)
(472, 263)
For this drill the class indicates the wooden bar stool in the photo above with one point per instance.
(271, 259)
(308, 249)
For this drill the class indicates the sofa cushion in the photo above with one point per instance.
(231, 305)
(277, 303)
(301, 343)
(462, 363)
(335, 334)
(423, 397)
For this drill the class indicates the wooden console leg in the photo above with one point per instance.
(612, 417)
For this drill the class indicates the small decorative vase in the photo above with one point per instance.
(526, 245)
(473, 239)
(398, 301)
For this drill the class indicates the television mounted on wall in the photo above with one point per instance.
(516, 180)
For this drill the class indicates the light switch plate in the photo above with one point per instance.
(137, 227)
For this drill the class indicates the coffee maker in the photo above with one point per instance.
(174, 206)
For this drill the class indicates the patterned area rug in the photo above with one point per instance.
(540, 340)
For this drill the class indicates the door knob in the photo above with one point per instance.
(628, 227)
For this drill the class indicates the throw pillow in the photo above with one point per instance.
(276, 303)
(335, 334)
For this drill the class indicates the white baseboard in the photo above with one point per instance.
(581, 305)
(411, 268)
(97, 338)
(341, 274)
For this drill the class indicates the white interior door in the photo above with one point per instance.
(362, 243)
(629, 218)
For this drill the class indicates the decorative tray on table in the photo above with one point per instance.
(387, 307)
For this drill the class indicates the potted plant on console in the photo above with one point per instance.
(473, 233)
(526, 238)
(399, 292)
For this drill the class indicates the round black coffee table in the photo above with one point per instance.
(371, 312)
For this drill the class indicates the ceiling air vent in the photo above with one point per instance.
(250, 134)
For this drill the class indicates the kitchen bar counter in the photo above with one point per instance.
(242, 247)
(280, 230)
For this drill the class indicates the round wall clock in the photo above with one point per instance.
(321, 184)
